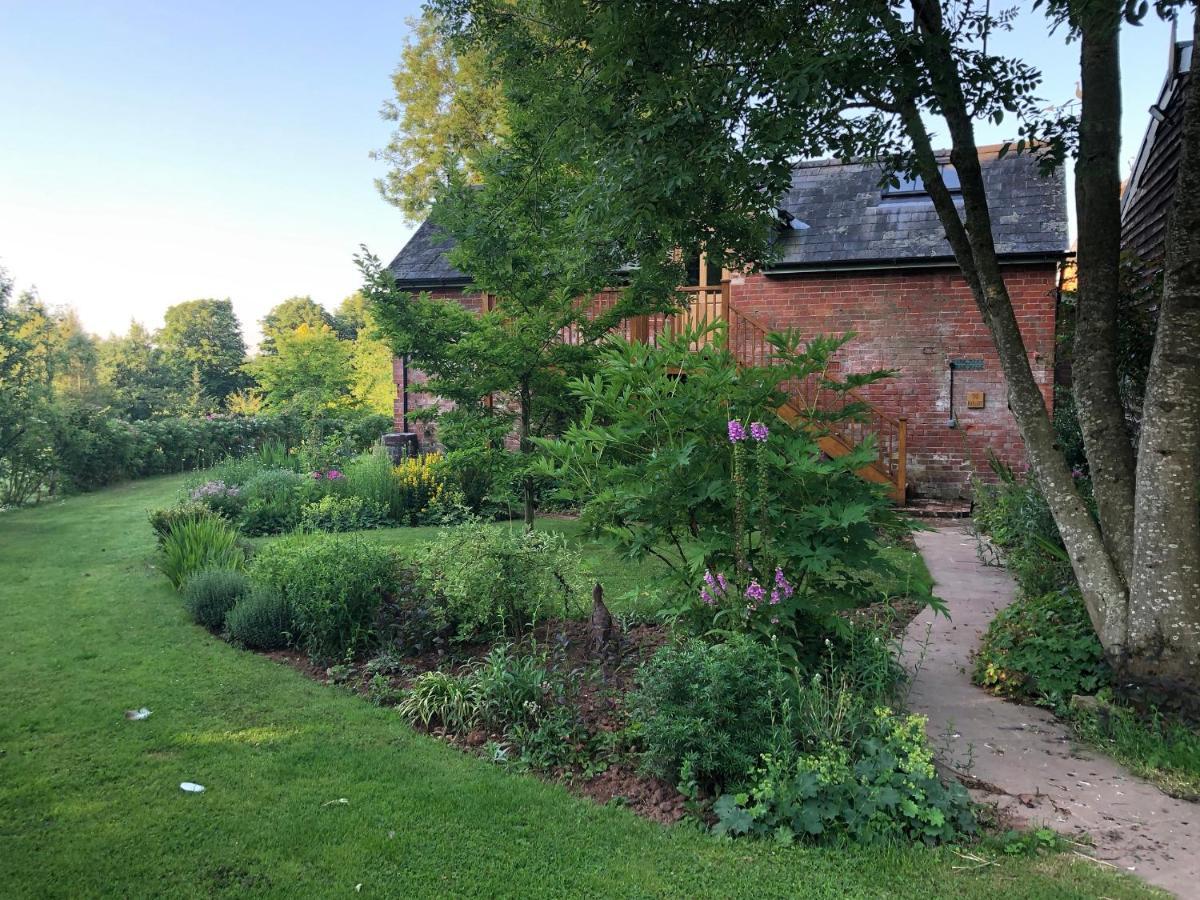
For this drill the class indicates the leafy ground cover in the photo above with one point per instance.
(310, 791)
(1043, 649)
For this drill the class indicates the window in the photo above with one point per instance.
(915, 186)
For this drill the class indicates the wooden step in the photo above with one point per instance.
(836, 446)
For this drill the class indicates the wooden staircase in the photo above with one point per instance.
(747, 339)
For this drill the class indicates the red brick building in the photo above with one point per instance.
(853, 257)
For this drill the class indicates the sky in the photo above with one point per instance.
(153, 152)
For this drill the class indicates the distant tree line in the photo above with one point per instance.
(58, 381)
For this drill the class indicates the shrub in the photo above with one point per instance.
(192, 545)
(272, 502)
(371, 477)
(439, 697)
(332, 513)
(1015, 515)
(412, 618)
(503, 691)
(498, 581)
(881, 787)
(1042, 649)
(224, 499)
(674, 468)
(420, 485)
(707, 711)
(334, 585)
(236, 470)
(210, 594)
(509, 689)
(163, 520)
(261, 620)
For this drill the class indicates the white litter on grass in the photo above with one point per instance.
(339, 800)
(136, 715)
(191, 787)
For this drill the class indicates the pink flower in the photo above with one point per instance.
(758, 431)
(736, 431)
(334, 474)
(317, 475)
(755, 592)
(783, 584)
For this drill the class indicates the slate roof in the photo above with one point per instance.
(422, 262)
(851, 224)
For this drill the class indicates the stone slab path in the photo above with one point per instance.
(1022, 757)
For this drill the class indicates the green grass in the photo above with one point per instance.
(1161, 749)
(90, 803)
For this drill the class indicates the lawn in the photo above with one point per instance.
(311, 791)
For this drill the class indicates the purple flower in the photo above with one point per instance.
(334, 475)
(736, 431)
(775, 597)
(758, 431)
(706, 596)
(722, 582)
(317, 475)
(782, 583)
(755, 592)
(708, 578)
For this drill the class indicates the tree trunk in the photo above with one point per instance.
(1100, 582)
(526, 446)
(1164, 606)
(1106, 436)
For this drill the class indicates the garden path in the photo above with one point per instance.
(1022, 758)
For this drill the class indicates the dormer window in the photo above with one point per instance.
(914, 187)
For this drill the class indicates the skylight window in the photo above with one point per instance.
(915, 186)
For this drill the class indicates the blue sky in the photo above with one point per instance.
(156, 152)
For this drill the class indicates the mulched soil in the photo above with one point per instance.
(604, 680)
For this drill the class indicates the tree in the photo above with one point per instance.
(203, 337)
(289, 315)
(351, 316)
(541, 264)
(26, 393)
(76, 359)
(373, 386)
(309, 372)
(697, 115)
(445, 107)
(137, 377)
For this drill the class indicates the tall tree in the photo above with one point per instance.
(697, 115)
(537, 238)
(136, 376)
(289, 315)
(203, 337)
(350, 318)
(76, 359)
(309, 372)
(445, 108)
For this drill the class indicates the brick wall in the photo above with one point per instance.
(915, 321)
(418, 399)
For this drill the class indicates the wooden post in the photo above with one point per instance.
(902, 460)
